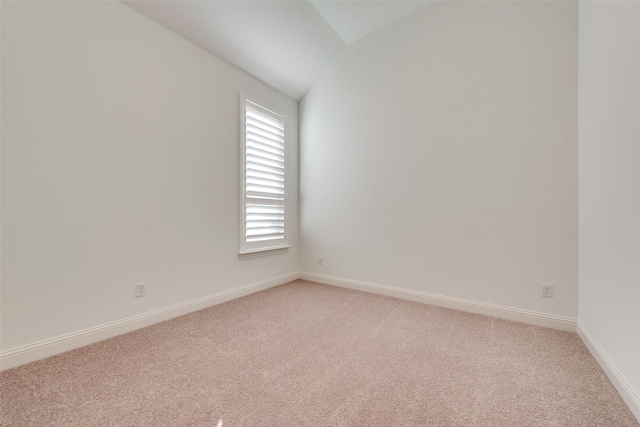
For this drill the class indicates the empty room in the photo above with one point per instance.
(317, 212)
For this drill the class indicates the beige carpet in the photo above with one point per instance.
(305, 354)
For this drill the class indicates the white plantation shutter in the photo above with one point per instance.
(264, 197)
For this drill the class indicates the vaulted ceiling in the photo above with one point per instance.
(286, 44)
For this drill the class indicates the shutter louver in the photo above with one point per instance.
(264, 175)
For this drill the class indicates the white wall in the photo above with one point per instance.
(119, 165)
(609, 127)
(440, 155)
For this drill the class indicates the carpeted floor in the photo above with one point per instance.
(305, 354)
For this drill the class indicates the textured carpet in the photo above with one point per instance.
(316, 355)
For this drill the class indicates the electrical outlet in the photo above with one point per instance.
(140, 289)
(320, 260)
(546, 290)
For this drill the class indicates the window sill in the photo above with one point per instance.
(263, 252)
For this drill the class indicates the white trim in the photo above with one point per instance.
(263, 252)
(509, 313)
(28, 353)
(630, 396)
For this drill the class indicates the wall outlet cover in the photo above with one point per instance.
(141, 289)
(546, 290)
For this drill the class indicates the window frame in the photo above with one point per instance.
(267, 247)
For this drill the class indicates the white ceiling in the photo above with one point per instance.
(353, 20)
(286, 44)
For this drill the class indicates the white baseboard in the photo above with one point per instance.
(630, 396)
(28, 353)
(509, 313)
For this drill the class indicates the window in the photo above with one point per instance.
(263, 224)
